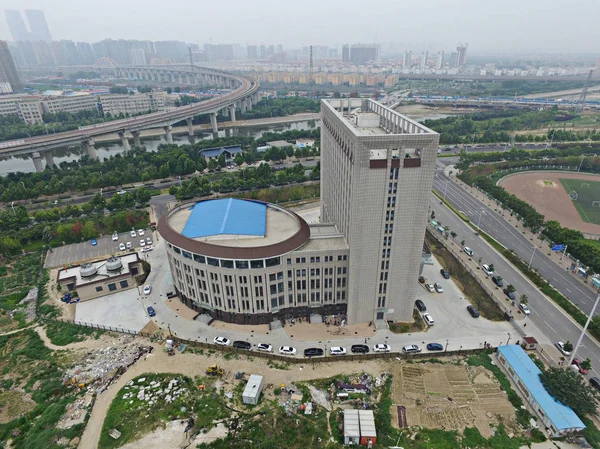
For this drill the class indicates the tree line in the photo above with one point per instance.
(279, 107)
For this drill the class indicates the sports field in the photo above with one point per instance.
(585, 195)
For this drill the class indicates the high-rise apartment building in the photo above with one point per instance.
(16, 25)
(439, 61)
(423, 61)
(346, 53)
(462, 54)
(453, 60)
(138, 56)
(8, 70)
(86, 53)
(407, 59)
(38, 25)
(252, 51)
(361, 53)
(376, 175)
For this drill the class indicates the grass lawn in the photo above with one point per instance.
(588, 192)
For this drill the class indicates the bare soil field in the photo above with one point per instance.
(449, 397)
(544, 191)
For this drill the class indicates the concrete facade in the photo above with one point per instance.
(376, 175)
(133, 104)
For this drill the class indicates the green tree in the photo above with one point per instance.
(511, 288)
(9, 245)
(142, 195)
(169, 90)
(491, 266)
(568, 347)
(453, 234)
(570, 389)
(586, 364)
(212, 164)
(47, 234)
(432, 215)
(462, 243)
(222, 162)
(89, 230)
(523, 299)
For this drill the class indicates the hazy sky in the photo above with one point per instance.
(569, 26)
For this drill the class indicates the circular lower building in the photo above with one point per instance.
(251, 262)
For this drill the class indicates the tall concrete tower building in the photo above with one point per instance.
(406, 61)
(376, 175)
(8, 70)
(424, 57)
(439, 61)
(16, 25)
(38, 25)
(461, 49)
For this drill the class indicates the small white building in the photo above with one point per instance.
(253, 389)
(351, 428)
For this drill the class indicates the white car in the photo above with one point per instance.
(223, 341)
(337, 350)
(430, 288)
(381, 347)
(287, 350)
(411, 349)
(561, 347)
(142, 242)
(115, 237)
(121, 192)
(133, 234)
(140, 232)
(486, 269)
(264, 347)
(428, 319)
(524, 308)
(129, 246)
(121, 246)
(438, 287)
(145, 249)
(468, 251)
(147, 289)
(148, 241)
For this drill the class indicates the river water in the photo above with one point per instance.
(107, 149)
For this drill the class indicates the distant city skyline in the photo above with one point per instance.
(535, 26)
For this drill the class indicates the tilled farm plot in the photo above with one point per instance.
(449, 397)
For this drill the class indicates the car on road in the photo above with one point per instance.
(121, 246)
(438, 287)
(595, 382)
(473, 311)
(577, 363)
(524, 308)
(264, 347)
(337, 350)
(115, 237)
(468, 251)
(411, 349)
(94, 242)
(240, 344)
(511, 295)
(498, 281)
(151, 311)
(133, 234)
(486, 269)
(435, 347)
(560, 345)
(381, 347)
(121, 192)
(145, 249)
(421, 279)
(313, 352)
(420, 305)
(430, 288)
(147, 289)
(129, 246)
(148, 241)
(428, 319)
(140, 232)
(445, 273)
(287, 350)
(222, 341)
(359, 349)
(142, 242)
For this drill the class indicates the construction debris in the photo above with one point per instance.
(102, 366)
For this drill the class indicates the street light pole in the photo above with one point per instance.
(479, 220)
(446, 348)
(445, 189)
(581, 163)
(508, 338)
(531, 260)
(584, 329)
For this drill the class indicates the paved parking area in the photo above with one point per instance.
(77, 252)
(124, 310)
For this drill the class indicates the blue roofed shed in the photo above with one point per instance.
(556, 417)
(216, 152)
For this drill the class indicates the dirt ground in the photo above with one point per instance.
(544, 191)
(449, 397)
(67, 311)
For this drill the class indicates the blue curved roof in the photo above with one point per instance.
(227, 216)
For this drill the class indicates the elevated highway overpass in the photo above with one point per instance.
(243, 96)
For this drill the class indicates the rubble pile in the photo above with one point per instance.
(76, 412)
(30, 302)
(102, 366)
(154, 393)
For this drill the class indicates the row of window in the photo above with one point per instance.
(113, 287)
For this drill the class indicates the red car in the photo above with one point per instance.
(577, 363)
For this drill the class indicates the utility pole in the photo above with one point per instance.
(584, 329)
(190, 56)
(310, 74)
(583, 95)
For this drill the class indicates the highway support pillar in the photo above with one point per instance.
(213, 121)
(168, 133)
(124, 142)
(227, 132)
(136, 138)
(190, 126)
(232, 112)
(37, 161)
(89, 149)
(49, 159)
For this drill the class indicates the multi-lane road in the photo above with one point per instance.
(547, 317)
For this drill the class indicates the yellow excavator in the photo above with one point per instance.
(214, 370)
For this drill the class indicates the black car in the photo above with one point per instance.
(421, 280)
(473, 311)
(511, 295)
(497, 280)
(445, 273)
(312, 352)
(240, 344)
(420, 305)
(595, 382)
(359, 349)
